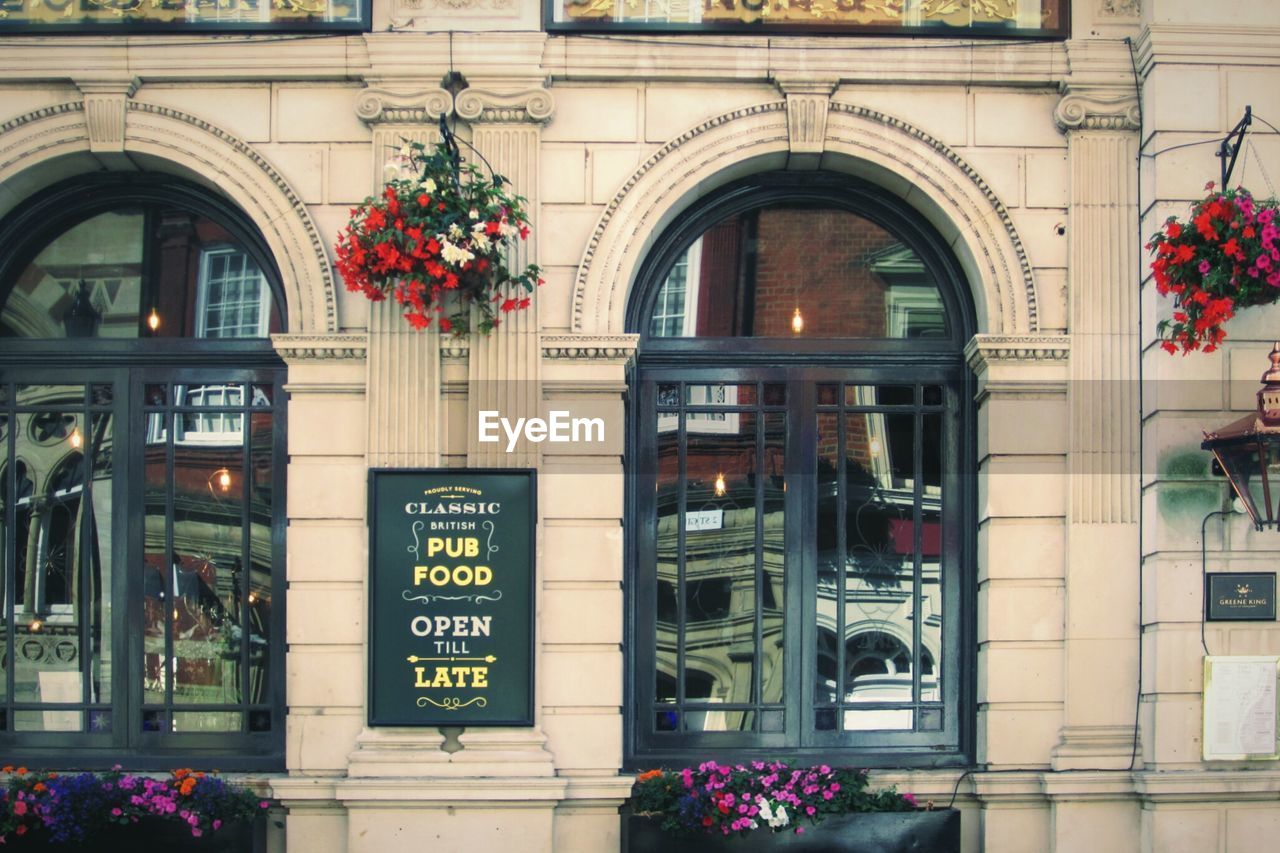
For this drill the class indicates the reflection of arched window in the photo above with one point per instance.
(147, 490)
(801, 524)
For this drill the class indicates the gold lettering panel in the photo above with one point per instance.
(179, 15)
(1032, 18)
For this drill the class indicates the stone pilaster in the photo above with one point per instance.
(404, 381)
(1102, 516)
(1022, 451)
(504, 368)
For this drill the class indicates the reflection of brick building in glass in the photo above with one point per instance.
(721, 580)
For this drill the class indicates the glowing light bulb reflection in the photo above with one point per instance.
(797, 322)
(36, 625)
(875, 447)
(76, 439)
(153, 320)
(224, 479)
(720, 486)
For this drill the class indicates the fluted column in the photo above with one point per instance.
(404, 381)
(1103, 466)
(504, 370)
(504, 367)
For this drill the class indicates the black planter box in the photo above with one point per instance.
(936, 831)
(146, 836)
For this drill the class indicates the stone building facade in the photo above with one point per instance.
(1039, 165)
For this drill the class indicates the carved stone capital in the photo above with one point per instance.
(985, 349)
(1097, 111)
(808, 102)
(105, 106)
(614, 348)
(484, 106)
(295, 349)
(383, 106)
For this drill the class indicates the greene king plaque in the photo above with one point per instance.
(1240, 596)
(451, 597)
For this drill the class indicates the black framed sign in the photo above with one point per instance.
(1240, 596)
(451, 585)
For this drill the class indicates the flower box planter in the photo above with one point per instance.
(936, 831)
(146, 835)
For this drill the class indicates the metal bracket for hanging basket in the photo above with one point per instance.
(1230, 146)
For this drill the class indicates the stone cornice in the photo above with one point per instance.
(377, 105)
(1254, 784)
(1197, 44)
(1095, 109)
(985, 349)
(590, 347)
(295, 349)
(482, 105)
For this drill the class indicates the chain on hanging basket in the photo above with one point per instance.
(439, 232)
(1223, 257)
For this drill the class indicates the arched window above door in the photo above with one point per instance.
(135, 257)
(800, 268)
(803, 524)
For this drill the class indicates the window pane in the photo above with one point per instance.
(206, 569)
(774, 558)
(720, 651)
(157, 579)
(107, 276)
(259, 597)
(667, 553)
(105, 253)
(837, 274)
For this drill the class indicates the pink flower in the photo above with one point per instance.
(911, 798)
(1263, 262)
(799, 830)
(1204, 268)
(116, 812)
(217, 824)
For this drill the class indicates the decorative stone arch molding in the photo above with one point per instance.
(41, 147)
(923, 171)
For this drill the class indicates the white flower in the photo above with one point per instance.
(780, 817)
(406, 151)
(455, 231)
(428, 185)
(474, 214)
(454, 254)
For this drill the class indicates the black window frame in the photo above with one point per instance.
(130, 364)
(802, 363)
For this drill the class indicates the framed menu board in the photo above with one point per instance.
(451, 597)
(1240, 708)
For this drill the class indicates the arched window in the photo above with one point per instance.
(802, 524)
(143, 413)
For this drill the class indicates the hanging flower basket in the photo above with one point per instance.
(438, 239)
(1224, 257)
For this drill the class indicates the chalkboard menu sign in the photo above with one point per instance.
(451, 597)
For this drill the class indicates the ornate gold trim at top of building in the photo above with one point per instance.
(382, 106)
(983, 349)
(482, 105)
(299, 348)
(1095, 110)
(590, 347)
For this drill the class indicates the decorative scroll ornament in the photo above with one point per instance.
(452, 703)
(383, 106)
(481, 105)
(299, 348)
(1097, 111)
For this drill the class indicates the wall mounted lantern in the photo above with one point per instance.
(1248, 450)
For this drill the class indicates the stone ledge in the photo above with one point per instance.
(456, 792)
